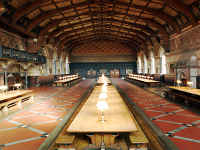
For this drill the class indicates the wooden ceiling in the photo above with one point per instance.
(72, 22)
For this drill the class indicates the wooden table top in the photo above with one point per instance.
(65, 80)
(186, 89)
(12, 94)
(62, 81)
(145, 80)
(118, 117)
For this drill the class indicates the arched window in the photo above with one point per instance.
(54, 67)
(67, 65)
(163, 64)
(139, 68)
(153, 70)
(145, 64)
(61, 66)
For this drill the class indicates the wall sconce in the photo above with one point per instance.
(35, 40)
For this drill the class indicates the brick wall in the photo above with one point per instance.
(184, 47)
(186, 41)
(103, 51)
(99, 48)
(11, 40)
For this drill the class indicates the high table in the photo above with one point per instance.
(66, 80)
(102, 80)
(144, 82)
(186, 93)
(62, 82)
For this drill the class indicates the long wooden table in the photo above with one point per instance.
(86, 122)
(186, 93)
(118, 117)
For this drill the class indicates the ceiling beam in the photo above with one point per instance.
(178, 5)
(75, 43)
(29, 7)
(150, 22)
(17, 28)
(144, 28)
(37, 20)
(64, 33)
(155, 12)
(105, 31)
(139, 42)
(70, 46)
(50, 25)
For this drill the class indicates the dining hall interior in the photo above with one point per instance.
(99, 74)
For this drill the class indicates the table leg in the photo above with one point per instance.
(98, 139)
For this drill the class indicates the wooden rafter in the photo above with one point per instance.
(78, 43)
(144, 28)
(128, 17)
(107, 31)
(136, 39)
(154, 12)
(178, 5)
(133, 17)
(62, 32)
(51, 13)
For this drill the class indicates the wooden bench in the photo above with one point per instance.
(138, 140)
(65, 141)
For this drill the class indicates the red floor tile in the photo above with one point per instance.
(47, 127)
(166, 127)
(190, 132)
(6, 124)
(152, 114)
(33, 119)
(16, 134)
(185, 145)
(31, 145)
(179, 119)
(188, 113)
(165, 108)
(23, 114)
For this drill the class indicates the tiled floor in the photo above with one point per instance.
(182, 125)
(27, 128)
